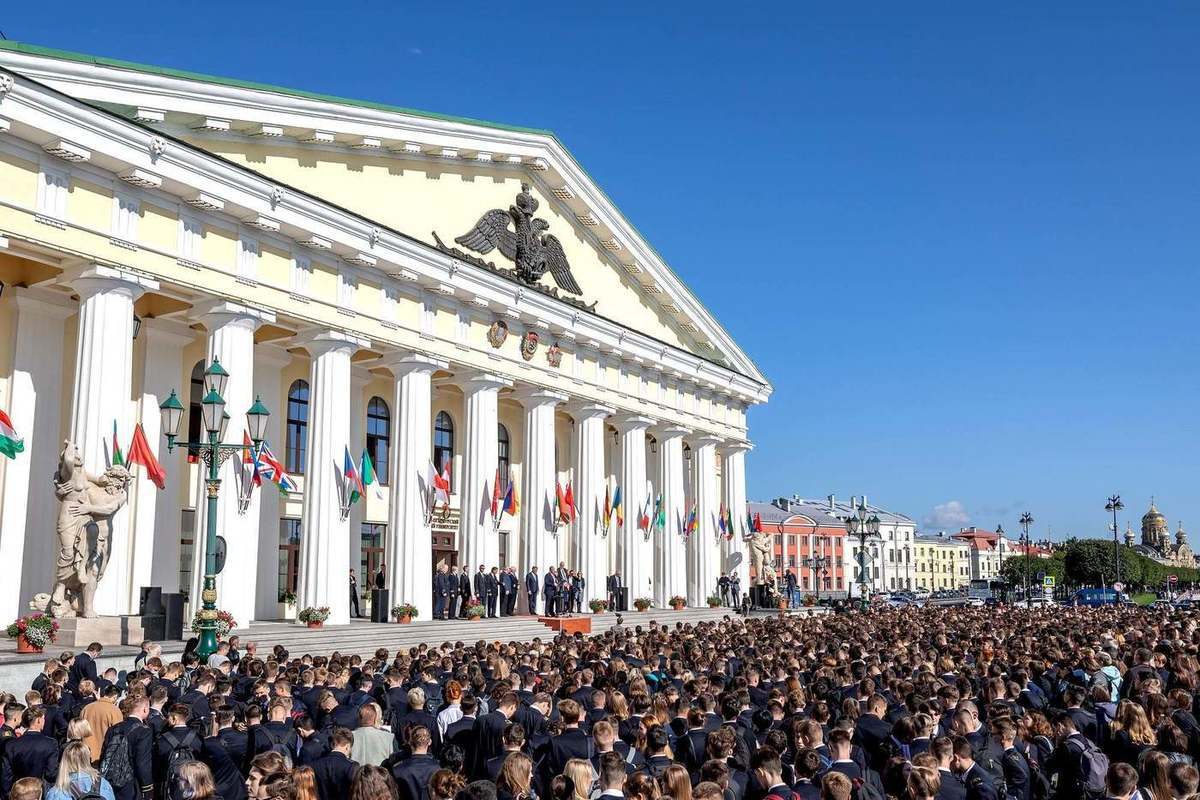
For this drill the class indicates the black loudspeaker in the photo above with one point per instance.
(173, 603)
(151, 602)
(379, 605)
(623, 598)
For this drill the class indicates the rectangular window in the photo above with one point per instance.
(247, 261)
(373, 537)
(301, 272)
(125, 213)
(187, 540)
(53, 188)
(289, 555)
(191, 235)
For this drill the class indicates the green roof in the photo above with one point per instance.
(83, 58)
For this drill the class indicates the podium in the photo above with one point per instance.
(380, 608)
(622, 598)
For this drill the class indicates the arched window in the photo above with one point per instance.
(379, 424)
(443, 441)
(503, 457)
(195, 418)
(297, 427)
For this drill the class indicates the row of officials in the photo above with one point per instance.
(560, 591)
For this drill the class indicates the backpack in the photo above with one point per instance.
(116, 764)
(91, 794)
(1093, 768)
(1040, 787)
(180, 753)
(279, 743)
(861, 790)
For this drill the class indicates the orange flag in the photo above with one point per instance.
(140, 453)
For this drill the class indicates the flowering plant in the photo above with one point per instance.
(404, 610)
(598, 606)
(225, 623)
(38, 629)
(642, 603)
(678, 601)
(713, 601)
(310, 614)
(475, 608)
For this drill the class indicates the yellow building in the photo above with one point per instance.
(941, 563)
(429, 290)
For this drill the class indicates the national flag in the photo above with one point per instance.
(660, 515)
(689, 525)
(496, 494)
(564, 513)
(249, 456)
(368, 473)
(117, 458)
(272, 469)
(644, 517)
(569, 499)
(512, 506)
(439, 484)
(758, 523)
(607, 506)
(10, 442)
(749, 522)
(352, 478)
(140, 453)
(618, 507)
(721, 519)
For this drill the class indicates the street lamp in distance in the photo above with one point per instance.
(1114, 505)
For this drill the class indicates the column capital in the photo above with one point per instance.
(402, 363)
(320, 342)
(631, 422)
(669, 430)
(168, 331)
(703, 439)
(217, 312)
(41, 301)
(92, 279)
(735, 446)
(581, 409)
(270, 355)
(476, 381)
(534, 396)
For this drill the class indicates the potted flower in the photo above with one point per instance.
(404, 613)
(313, 617)
(33, 632)
(598, 606)
(475, 609)
(287, 604)
(677, 602)
(810, 600)
(225, 622)
(713, 601)
(642, 603)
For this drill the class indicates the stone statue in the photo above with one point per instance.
(86, 505)
(762, 558)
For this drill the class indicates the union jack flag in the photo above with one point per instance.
(270, 468)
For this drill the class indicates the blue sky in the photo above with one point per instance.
(961, 243)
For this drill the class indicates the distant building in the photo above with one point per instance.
(809, 541)
(986, 551)
(940, 562)
(1156, 540)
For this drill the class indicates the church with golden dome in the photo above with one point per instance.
(1156, 540)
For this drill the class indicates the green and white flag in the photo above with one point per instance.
(10, 442)
(368, 474)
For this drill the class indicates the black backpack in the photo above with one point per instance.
(116, 765)
(91, 794)
(279, 742)
(180, 753)
(1093, 768)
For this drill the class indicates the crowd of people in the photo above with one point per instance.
(916, 704)
(557, 593)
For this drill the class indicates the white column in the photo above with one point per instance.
(102, 395)
(28, 507)
(478, 541)
(358, 511)
(539, 530)
(703, 551)
(670, 549)
(409, 551)
(231, 341)
(324, 545)
(154, 512)
(634, 552)
(733, 479)
(590, 547)
(269, 363)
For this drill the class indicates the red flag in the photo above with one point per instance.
(570, 500)
(140, 453)
(758, 523)
(496, 493)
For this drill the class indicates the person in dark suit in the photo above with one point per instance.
(335, 772)
(381, 576)
(615, 584)
(479, 584)
(140, 742)
(488, 741)
(550, 593)
(514, 742)
(870, 732)
(84, 666)
(503, 589)
(491, 585)
(31, 755)
(441, 592)
(224, 752)
(571, 743)
(979, 782)
(452, 598)
(353, 605)
(412, 774)
(532, 584)
(464, 593)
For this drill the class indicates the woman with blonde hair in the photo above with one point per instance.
(76, 777)
(78, 730)
(675, 783)
(193, 781)
(1131, 733)
(582, 776)
(516, 778)
(618, 709)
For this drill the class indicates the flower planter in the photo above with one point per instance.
(314, 624)
(474, 618)
(24, 645)
(678, 607)
(404, 620)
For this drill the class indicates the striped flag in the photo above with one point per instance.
(10, 442)
(117, 458)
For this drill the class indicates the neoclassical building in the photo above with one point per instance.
(425, 288)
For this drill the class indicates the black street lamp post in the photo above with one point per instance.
(1114, 505)
(1025, 521)
(859, 525)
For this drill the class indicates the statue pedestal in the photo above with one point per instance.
(79, 632)
(761, 596)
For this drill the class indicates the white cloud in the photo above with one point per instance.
(947, 516)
